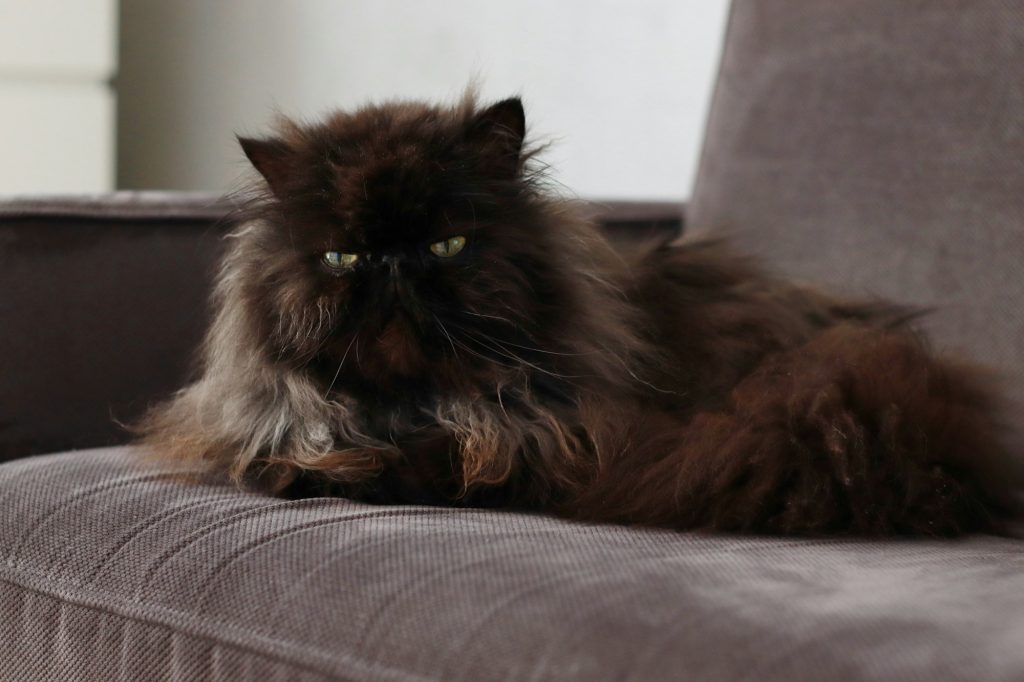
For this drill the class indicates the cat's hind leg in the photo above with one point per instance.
(861, 431)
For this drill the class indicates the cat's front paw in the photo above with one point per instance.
(343, 467)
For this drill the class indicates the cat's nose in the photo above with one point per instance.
(391, 262)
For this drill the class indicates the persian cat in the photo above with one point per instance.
(408, 315)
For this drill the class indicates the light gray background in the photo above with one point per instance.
(623, 87)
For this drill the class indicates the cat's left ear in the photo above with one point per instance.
(271, 157)
(498, 133)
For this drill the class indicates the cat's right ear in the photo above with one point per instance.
(498, 133)
(271, 157)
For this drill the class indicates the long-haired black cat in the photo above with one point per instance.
(408, 316)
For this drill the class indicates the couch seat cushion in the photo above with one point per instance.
(112, 570)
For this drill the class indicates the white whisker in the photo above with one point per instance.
(340, 365)
(445, 332)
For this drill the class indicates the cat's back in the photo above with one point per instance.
(716, 313)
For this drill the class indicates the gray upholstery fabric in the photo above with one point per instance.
(878, 146)
(112, 571)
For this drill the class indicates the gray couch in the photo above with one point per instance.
(875, 146)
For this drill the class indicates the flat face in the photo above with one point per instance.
(403, 260)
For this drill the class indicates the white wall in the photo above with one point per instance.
(56, 105)
(622, 86)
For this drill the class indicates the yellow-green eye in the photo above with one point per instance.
(449, 247)
(338, 260)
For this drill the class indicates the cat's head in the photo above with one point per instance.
(405, 244)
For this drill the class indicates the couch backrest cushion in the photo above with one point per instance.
(102, 303)
(878, 147)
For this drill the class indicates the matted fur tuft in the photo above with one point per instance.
(543, 367)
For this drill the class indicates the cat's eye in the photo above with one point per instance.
(338, 260)
(448, 247)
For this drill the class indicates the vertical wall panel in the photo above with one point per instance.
(56, 105)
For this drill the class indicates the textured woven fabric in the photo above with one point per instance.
(878, 146)
(113, 571)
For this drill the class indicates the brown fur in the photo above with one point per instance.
(545, 368)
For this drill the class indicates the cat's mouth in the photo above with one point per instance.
(398, 346)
